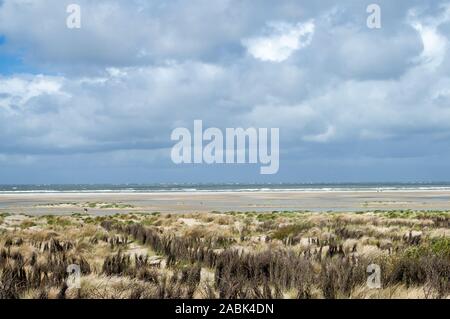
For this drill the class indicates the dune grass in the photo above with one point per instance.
(226, 255)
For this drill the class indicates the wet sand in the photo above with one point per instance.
(57, 203)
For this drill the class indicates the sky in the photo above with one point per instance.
(98, 104)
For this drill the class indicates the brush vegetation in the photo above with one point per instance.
(226, 255)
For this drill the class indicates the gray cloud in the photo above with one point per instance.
(110, 93)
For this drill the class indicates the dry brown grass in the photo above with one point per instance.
(227, 255)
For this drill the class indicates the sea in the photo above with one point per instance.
(211, 187)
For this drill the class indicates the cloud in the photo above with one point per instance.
(280, 41)
(117, 33)
(124, 108)
(104, 99)
(435, 45)
(15, 91)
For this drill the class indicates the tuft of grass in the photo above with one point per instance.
(291, 230)
(58, 221)
(27, 224)
(441, 246)
(101, 205)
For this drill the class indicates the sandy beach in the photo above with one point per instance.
(185, 202)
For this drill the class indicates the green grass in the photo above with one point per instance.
(399, 214)
(108, 205)
(437, 246)
(58, 221)
(26, 224)
(264, 217)
(409, 214)
(57, 204)
(291, 230)
(89, 220)
(441, 246)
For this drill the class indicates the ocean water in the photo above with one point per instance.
(235, 187)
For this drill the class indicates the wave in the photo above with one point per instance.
(213, 188)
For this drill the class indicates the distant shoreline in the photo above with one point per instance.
(212, 192)
(220, 188)
(206, 201)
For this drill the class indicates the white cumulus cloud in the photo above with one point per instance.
(280, 41)
(435, 44)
